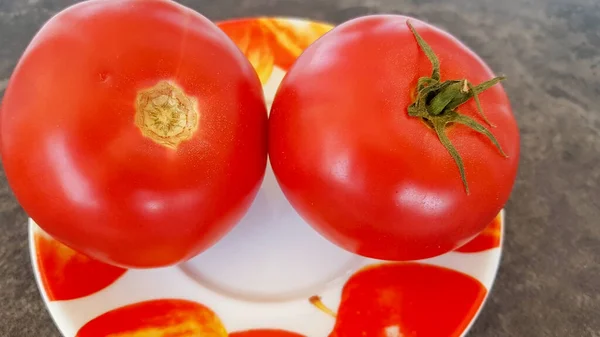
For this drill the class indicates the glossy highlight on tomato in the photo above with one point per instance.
(355, 158)
(134, 131)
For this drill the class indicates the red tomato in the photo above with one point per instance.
(134, 131)
(365, 173)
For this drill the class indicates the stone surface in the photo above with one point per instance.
(549, 281)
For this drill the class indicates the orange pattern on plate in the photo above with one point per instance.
(157, 318)
(406, 300)
(67, 274)
(269, 42)
(489, 238)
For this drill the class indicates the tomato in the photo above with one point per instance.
(134, 131)
(370, 145)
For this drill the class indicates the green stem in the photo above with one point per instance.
(436, 103)
(435, 63)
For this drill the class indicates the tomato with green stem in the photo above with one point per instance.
(134, 131)
(393, 139)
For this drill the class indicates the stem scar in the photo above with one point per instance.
(166, 115)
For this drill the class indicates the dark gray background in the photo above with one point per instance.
(549, 280)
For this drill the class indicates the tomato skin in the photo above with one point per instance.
(79, 165)
(367, 176)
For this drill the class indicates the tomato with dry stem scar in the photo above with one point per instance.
(134, 131)
(393, 139)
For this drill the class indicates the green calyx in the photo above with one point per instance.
(436, 104)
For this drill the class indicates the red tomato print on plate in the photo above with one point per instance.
(393, 139)
(157, 318)
(67, 274)
(406, 300)
(269, 42)
(488, 239)
(265, 333)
